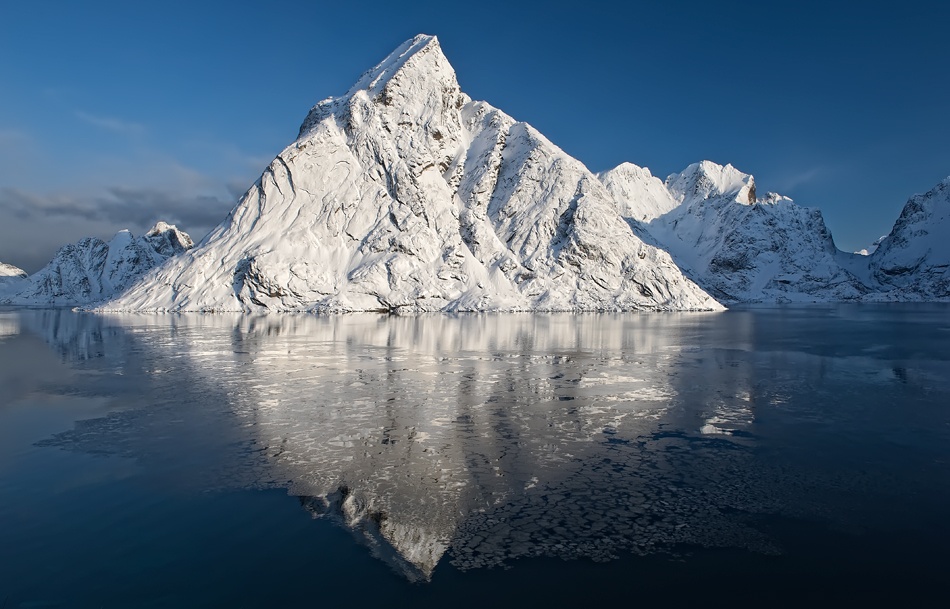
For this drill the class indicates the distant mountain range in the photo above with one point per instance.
(406, 195)
(743, 248)
(93, 270)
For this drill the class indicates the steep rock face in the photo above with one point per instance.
(736, 246)
(912, 262)
(406, 195)
(92, 270)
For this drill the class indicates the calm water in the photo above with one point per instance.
(762, 456)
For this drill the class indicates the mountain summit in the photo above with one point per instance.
(404, 194)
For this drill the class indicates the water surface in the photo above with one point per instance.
(768, 455)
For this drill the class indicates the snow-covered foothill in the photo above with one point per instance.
(92, 270)
(404, 194)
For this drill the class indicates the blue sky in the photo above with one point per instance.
(116, 114)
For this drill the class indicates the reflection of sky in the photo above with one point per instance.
(502, 436)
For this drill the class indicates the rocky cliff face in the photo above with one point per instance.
(406, 195)
(92, 270)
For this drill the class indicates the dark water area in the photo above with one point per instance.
(761, 456)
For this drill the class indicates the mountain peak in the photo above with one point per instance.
(410, 80)
(706, 179)
(168, 240)
(639, 194)
(8, 270)
(628, 168)
(160, 227)
(409, 56)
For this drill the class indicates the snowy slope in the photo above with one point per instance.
(12, 279)
(640, 196)
(92, 270)
(736, 246)
(912, 262)
(406, 195)
(8, 270)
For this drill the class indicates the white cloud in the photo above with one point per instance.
(115, 125)
(789, 182)
(36, 225)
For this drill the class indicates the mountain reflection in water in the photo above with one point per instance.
(487, 438)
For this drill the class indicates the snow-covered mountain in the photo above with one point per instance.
(735, 245)
(92, 270)
(11, 278)
(8, 270)
(406, 195)
(640, 196)
(912, 261)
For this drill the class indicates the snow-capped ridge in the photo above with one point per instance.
(746, 249)
(706, 179)
(639, 194)
(735, 246)
(91, 269)
(913, 260)
(168, 240)
(12, 279)
(8, 270)
(419, 62)
(405, 56)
